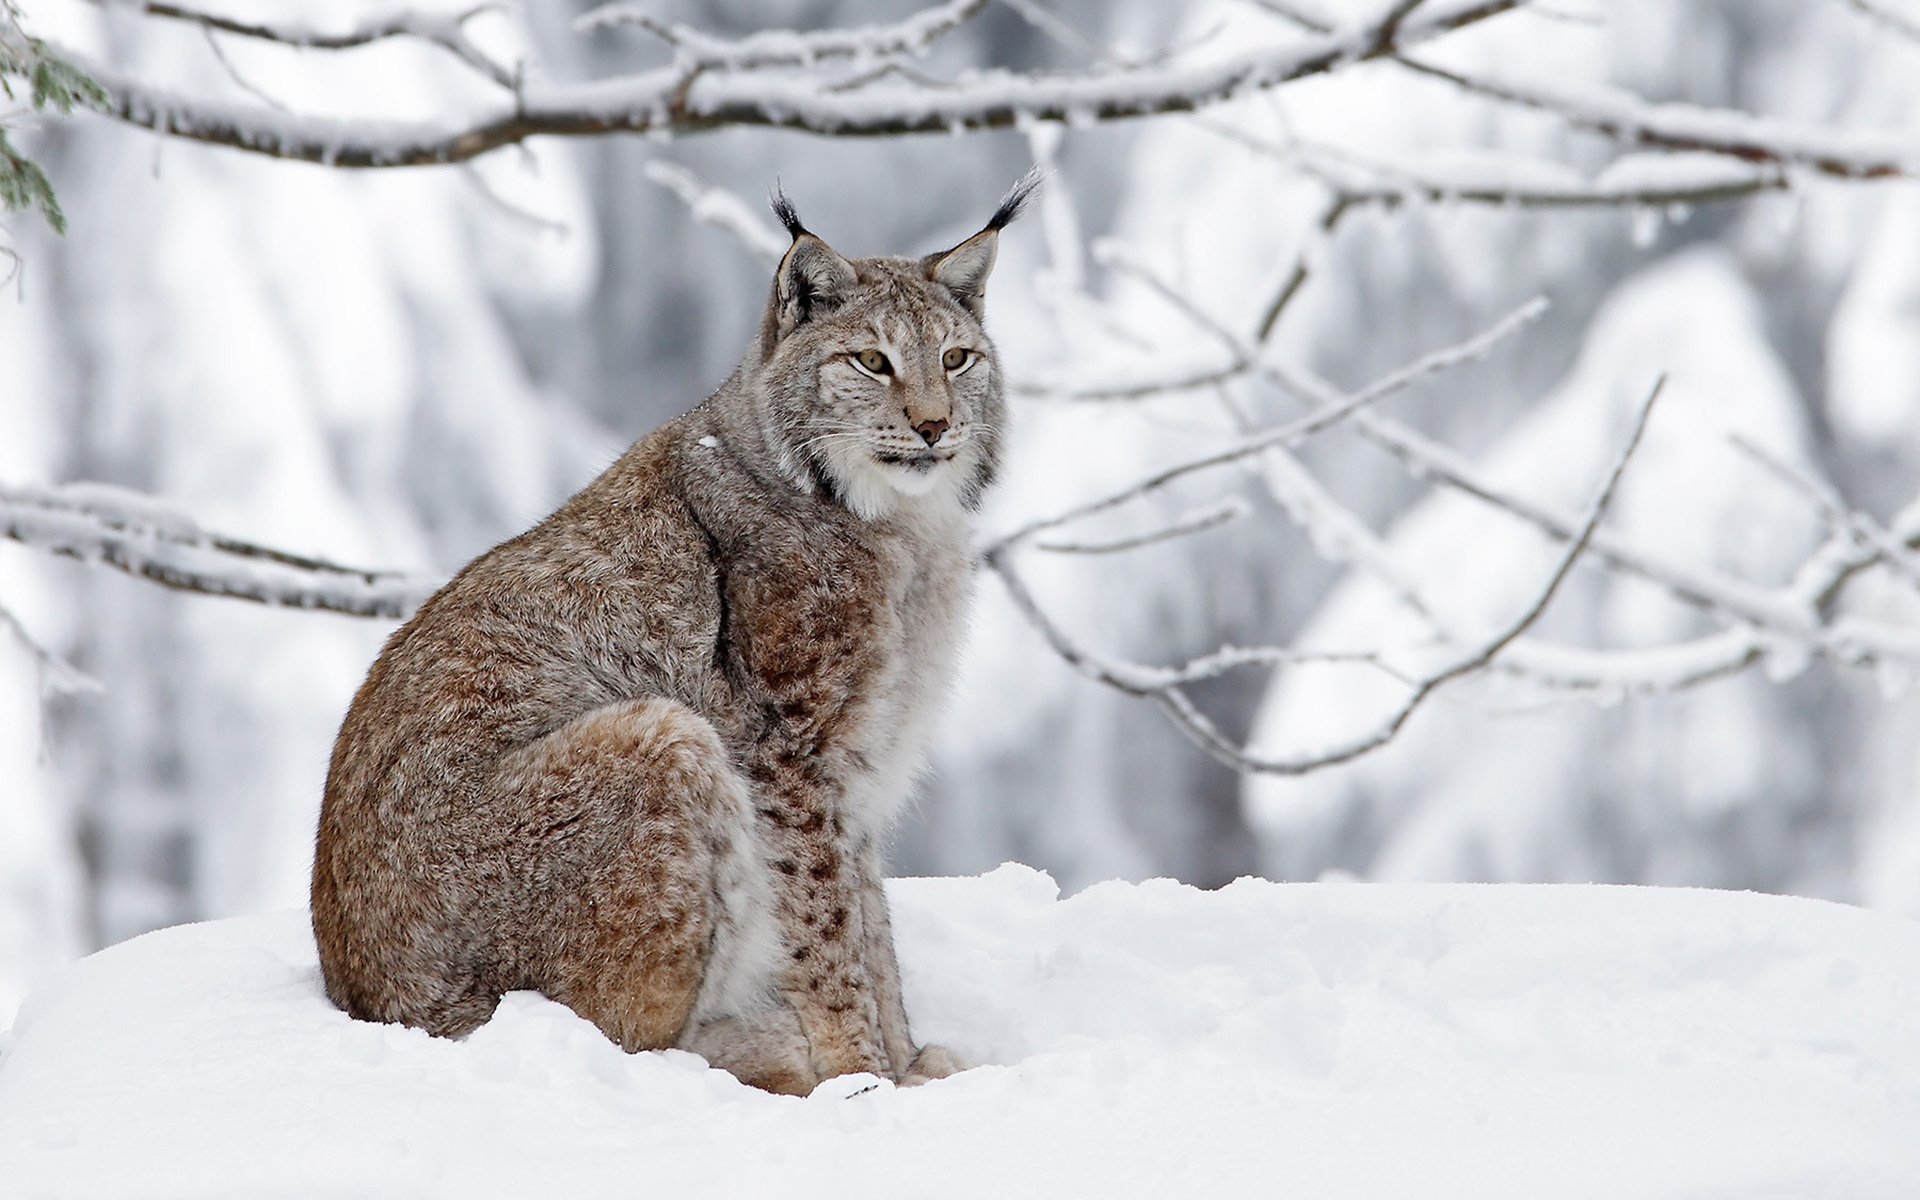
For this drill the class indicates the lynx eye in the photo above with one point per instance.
(956, 358)
(874, 362)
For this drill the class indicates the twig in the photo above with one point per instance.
(241, 81)
(1843, 518)
(1211, 517)
(720, 208)
(58, 677)
(1296, 278)
(1287, 434)
(1169, 694)
(1208, 735)
(525, 216)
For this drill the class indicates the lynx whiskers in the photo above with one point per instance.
(644, 756)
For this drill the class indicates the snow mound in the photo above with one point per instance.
(1326, 1040)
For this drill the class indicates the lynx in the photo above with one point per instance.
(643, 758)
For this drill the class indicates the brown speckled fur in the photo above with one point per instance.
(643, 757)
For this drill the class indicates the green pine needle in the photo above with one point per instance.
(24, 186)
(53, 84)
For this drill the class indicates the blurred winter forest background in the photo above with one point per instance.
(1470, 251)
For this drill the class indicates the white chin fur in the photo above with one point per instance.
(911, 482)
(874, 489)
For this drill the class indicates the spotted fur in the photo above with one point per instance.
(644, 756)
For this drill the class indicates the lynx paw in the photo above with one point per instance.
(931, 1063)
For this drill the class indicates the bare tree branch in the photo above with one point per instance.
(1213, 516)
(1246, 362)
(1337, 409)
(1167, 691)
(676, 100)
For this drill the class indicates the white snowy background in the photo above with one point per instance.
(399, 368)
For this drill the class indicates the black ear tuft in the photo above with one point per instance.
(1015, 201)
(964, 269)
(783, 209)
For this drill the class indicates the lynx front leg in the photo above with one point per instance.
(826, 979)
(912, 1065)
(883, 965)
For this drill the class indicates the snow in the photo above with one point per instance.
(1331, 1040)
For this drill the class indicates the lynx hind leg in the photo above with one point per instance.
(647, 914)
(766, 1049)
(931, 1063)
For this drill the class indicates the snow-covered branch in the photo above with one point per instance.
(1635, 181)
(1612, 112)
(154, 541)
(1842, 153)
(445, 30)
(768, 81)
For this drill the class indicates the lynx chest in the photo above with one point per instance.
(842, 648)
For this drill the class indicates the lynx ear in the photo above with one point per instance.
(812, 275)
(964, 269)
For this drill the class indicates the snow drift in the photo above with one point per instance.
(1326, 1040)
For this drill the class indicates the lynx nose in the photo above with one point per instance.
(931, 429)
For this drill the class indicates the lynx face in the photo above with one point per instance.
(882, 383)
(908, 402)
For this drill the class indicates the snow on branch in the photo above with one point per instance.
(148, 539)
(784, 48)
(1612, 112)
(1842, 153)
(765, 88)
(1646, 180)
(446, 30)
